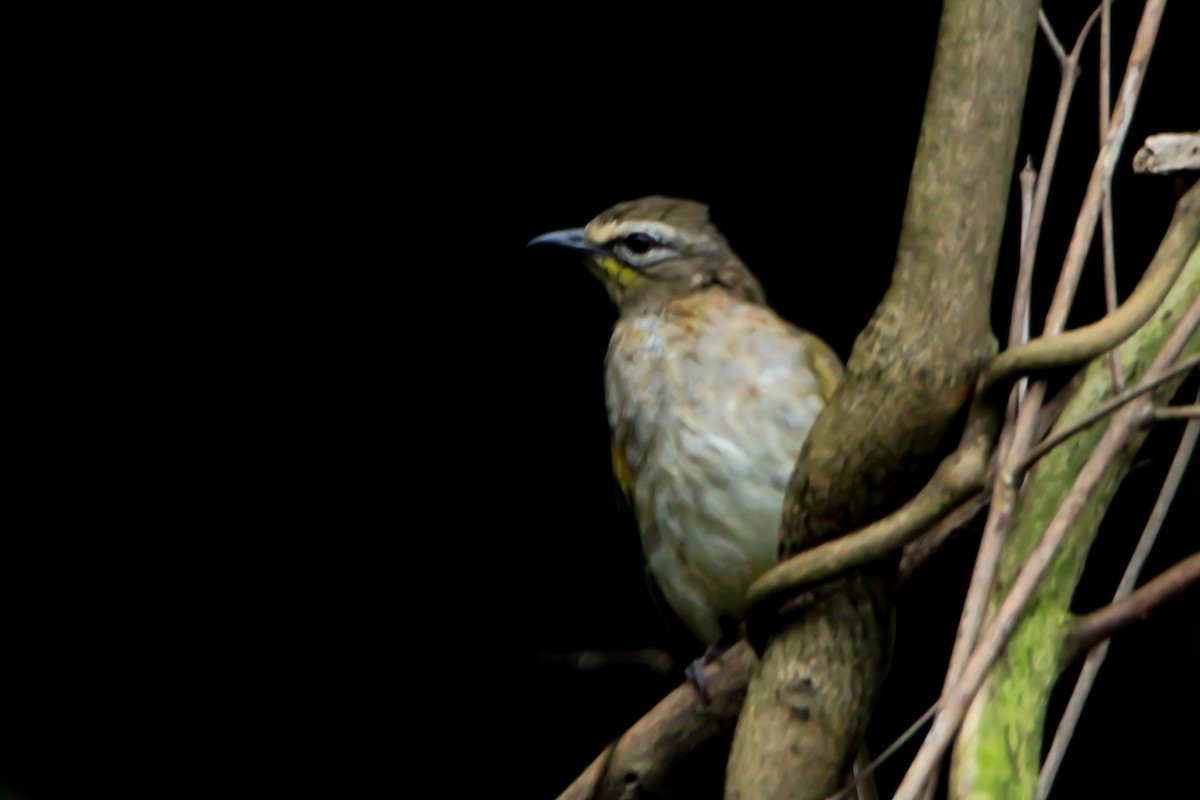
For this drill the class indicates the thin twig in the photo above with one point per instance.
(1055, 44)
(1178, 412)
(1100, 625)
(887, 753)
(1106, 214)
(958, 478)
(919, 552)
(1095, 658)
(964, 472)
(1098, 413)
(863, 783)
(1114, 138)
(992, 641)
(1094, 339)
(1022, 296)
(1050, 155)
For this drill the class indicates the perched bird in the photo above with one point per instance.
(710, 395)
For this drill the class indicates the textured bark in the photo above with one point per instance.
(910, 373)
(641, 761)
(997, 753)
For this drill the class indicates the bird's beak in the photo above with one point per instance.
(571, 239)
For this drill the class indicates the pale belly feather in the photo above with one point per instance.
(710, 419)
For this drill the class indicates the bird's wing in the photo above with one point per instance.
(825, 364)
(623, 478)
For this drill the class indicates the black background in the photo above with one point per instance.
(324, 475)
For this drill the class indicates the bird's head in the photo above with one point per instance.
(655, 249)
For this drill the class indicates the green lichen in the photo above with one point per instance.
(997, 754)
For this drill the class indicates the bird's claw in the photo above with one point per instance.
(695, 671)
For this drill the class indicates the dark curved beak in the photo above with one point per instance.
(571, 239)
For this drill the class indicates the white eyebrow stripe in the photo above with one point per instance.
(610, 231)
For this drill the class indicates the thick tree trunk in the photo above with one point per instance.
(911, 371)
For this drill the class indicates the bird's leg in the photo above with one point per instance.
(695, 670)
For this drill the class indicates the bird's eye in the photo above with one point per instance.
(640, 243)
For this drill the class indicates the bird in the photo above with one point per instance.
(710, 395)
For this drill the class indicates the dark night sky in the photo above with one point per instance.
(346, 482)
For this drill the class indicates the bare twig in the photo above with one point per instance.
(864, 784)
(1114, 138)
(1006, 487)
(1106, 215)
(1100, 625)
(1022, 296)
(1089, 341)
(957, 478)
(1178, 412)
(1017, 435)
(1055, 44)
(1105, 67)
(1070, 71)
(919, 552)
(993, 639)
(962, 474)
(888, 752)
(1095, 658)
(1168, 152)
(1099, 413)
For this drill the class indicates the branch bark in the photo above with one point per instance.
(912, 370)
(1098, 626)
(1095, 658)
(996, 753)
(681, 722)
(1168, 152)
(640, 761)
(1095, 471)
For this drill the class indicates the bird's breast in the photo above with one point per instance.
(709, 414)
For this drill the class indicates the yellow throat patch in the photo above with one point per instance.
(612, 269)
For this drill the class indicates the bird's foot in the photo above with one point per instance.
(695, 670)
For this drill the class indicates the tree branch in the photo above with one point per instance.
(1085, 343)
(962, 473)
(1177, 412)
(640, 761)
(953, 489)
(1117, 435)
(1106, 214)
(1018, 331)
(997, 751)
(655, 744)
(912, 370)
(1089, 341)
(1100, 625)
(1168, 152)
(958, 477)
(1099, 413)
(1095, 658)
(918, 552)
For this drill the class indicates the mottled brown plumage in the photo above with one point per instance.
(710, 396)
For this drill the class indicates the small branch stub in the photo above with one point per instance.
(1168, 152)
